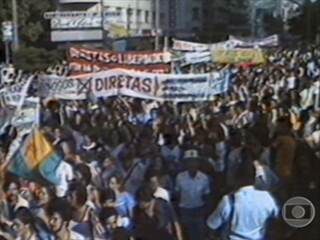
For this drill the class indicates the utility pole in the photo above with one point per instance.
(157, 25)
(15, 25)
(102, 22)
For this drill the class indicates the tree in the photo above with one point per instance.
(32, 59)
(34, 34)
(33, 28)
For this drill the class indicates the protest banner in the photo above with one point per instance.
(196, 57)
(108, 57)
(271, 41)
(186, 46)
(116, 82)
(80, 67)
(27, 115)
(169, 87)
(22, 118)
(180, 45)
(238, 56)
(58, 87)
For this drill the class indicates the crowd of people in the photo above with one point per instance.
(147, 170)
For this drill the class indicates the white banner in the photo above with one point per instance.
(169, 87)
(28, 115)
(196, 57)
(87, 22)
(22, 118)
(179, 45)
(58, 87)
(271, 41)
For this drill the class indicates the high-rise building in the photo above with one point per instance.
(222, 18)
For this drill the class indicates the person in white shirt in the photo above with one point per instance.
(192, 187)
(244, 214)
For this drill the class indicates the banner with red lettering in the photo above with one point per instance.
(110, 57)
(81, 67)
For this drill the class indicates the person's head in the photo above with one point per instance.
(106, 197)
(115, 183)
(58, 133)
(83, 174)
(108, 217)
(23, 222)
(145, 197)
(158, 163)
(245, 174)
(43, 195)
(59, 214)
(78, 194)
(192, 158)
(153, 177)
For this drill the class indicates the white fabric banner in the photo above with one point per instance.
(271, 41)
(115, 82)
(186, 46)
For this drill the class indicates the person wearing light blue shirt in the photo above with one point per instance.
(244, 214)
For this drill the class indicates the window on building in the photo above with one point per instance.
(153, 17)
(119, 11)
(129, 14)
(146, 16)
(195, 13)
(162, 18)
(138, 15)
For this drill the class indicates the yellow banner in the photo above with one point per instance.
(118, 31)
(238, 56)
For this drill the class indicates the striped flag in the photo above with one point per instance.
(36, 157)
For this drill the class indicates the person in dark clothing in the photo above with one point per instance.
(155, 218)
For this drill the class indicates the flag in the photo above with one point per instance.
(36, 157)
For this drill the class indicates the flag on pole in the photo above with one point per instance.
(36, 157)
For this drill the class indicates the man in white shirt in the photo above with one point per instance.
(192, 187)
(245, 213)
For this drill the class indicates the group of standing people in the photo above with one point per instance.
(148, 170)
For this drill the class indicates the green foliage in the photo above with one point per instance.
(33, 59)
(33, 28)
(34, 32)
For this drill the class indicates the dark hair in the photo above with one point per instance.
(245, 174)
(80, 191)
(106, 195)
(60, 206)
(106, 213)
(25, 216)
(145, 194)
(85, 172)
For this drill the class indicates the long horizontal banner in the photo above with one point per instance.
(238, 56)
(233, 42)
(130, 58)
(186, 46)
(168, 87)
(80, 67)
(271, 41)
(180, 45)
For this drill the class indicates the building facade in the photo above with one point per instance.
(177, 18)
(224, 17)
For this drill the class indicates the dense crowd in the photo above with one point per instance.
(147, 170)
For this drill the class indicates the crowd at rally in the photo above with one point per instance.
(148, 170)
